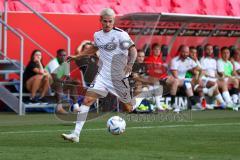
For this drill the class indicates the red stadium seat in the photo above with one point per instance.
(53, 7)
(153, 2)
(94, 2)
(167, 4)
(96, 9)
(234, 7)
(75, 3)
(126, 9)
(1, 7)
(18, 6)
(216, 7)
(126, 3)
(163, 5)
(155, 9)
(67, 8)
(180, 6)
(132, 6)
(60, 7)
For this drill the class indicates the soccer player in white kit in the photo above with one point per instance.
(179, 67)
(209, 66)
(117, 54)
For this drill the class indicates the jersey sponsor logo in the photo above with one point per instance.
(110, 46)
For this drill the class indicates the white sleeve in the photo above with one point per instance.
(220, 66)
(193, 64)
(203, 64)
(174, 64)
(52, 66)
(95, 40)
(126, 37)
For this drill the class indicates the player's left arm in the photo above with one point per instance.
(132, 57)
(197, 72)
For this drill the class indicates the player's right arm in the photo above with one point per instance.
(174, 68)
(220, 69)
(87, 52)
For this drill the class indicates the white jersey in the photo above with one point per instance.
(236, 65)
(182, 66)
(209, 65)
(225, 67)
(113, 52)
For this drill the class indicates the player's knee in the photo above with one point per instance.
(38, 77)
(88, 101)
(235, 81)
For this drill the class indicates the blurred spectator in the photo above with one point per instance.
(146, 83)
(155, 66)
(157, 69)
(62, 83)
(139, 80)
(139, 76)
(36, 78)
(180, 65)
(236, 62)
(225, 70)
(204, 86)
(209, 68)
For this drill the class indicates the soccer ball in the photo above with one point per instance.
(116, 125)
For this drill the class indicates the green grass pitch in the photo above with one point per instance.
(207, 135)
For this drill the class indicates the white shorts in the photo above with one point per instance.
(119, 88)
(207, 79)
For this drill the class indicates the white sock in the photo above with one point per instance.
(138, 102)
(219, 98)
(227, 97)
(205, 90)
(235, 98)
(158, 94)
(75, 106)
(158, 99)
(81, 119)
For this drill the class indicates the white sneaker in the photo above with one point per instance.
(169, 108)
(235, 107)
(176, 108)
(197, 107)
(209, 106)
(71, 137)
(76, 108)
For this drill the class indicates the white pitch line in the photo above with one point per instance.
(141, 127)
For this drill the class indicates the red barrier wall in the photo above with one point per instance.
(78, 27)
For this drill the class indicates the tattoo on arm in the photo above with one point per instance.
(132, 55)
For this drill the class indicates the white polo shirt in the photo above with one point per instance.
(236, 65)
(209, 65)
(182, 66)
